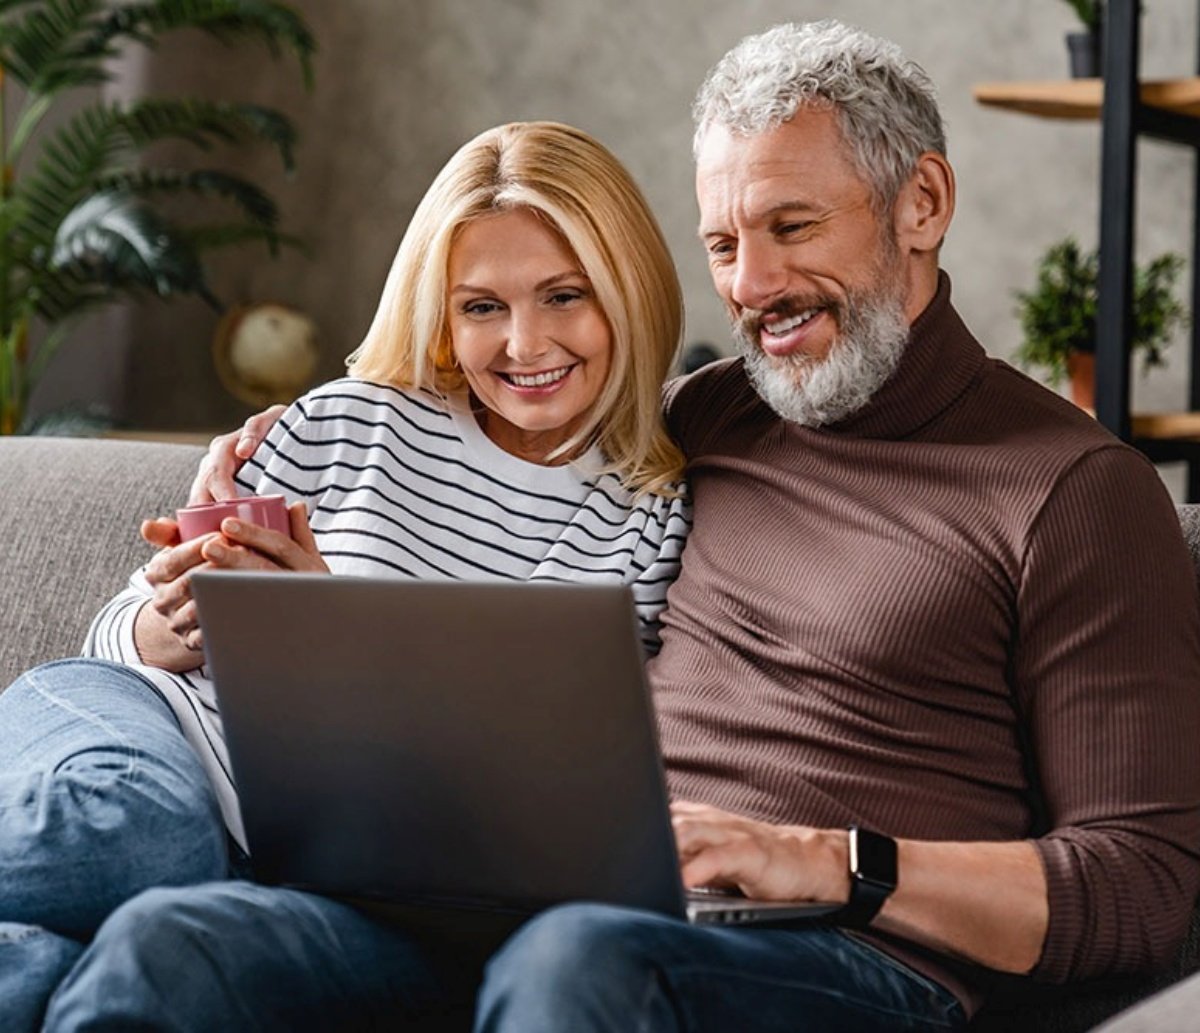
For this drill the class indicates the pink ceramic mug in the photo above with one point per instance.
(268, 511)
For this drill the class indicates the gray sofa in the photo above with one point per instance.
(69, 512)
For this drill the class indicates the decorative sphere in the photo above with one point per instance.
(266, 353)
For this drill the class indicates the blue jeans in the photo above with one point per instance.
(101, 797)
(235, 955)
(592, 968)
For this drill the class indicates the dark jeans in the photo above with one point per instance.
(233, 955)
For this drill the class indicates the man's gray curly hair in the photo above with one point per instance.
(886, 105)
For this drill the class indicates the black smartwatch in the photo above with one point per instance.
(872, 876)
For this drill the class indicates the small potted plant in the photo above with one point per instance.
(1085, 47)
(1058, 316)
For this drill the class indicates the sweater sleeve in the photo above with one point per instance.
(1108, 677)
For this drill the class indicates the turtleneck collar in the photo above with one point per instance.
(940, 361)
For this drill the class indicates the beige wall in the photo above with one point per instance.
(400, 83)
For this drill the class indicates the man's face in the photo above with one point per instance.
(814, 284)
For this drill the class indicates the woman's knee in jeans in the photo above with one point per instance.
(103, 768)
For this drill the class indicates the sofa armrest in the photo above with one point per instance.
(69, 515)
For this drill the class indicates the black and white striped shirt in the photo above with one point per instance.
(404, 483)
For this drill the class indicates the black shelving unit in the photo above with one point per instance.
(1125, 119)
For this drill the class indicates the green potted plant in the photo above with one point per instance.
(1084, 47)
(85, 221)
(1058, 316)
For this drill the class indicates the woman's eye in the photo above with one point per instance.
(565, 297)
(480, 308)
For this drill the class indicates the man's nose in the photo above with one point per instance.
(759, 275)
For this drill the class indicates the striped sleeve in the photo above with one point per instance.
(110, 636)
(659, 555)
(281, 464)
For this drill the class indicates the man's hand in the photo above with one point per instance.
(766, 862)
(243, 546)
(226, 454)
(984, 901)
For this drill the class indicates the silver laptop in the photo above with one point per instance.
(471, 745)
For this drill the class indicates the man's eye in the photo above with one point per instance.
(789, 229)
(721, 249)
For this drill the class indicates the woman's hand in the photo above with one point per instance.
(244, 546)
(226, 454)
(167, 632)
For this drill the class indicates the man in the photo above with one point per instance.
(923, 597)
(916, 596)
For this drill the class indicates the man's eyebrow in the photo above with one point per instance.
(768, 213)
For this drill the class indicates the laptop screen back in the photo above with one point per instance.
(479, 744)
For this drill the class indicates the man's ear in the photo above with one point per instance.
(925, 204)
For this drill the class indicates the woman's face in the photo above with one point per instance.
(527, 330)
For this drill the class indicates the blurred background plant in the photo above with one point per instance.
(1089, 12)
(84, 221)
(1058, 316)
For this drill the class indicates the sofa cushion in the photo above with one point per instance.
(69, 515)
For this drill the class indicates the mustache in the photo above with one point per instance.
(750, 320)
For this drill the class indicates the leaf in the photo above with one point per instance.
(117, 239)
(251, 199)
(56, 46)
(275, 25)
(1059, 315)
(101, 137)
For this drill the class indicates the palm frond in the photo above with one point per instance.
(201, 122)
(56, 46)
(76, 158)
(275, 25)
(114, 238)
(62, 294)
(7, 6)
(254, 202)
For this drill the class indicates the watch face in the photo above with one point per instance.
(873, 857)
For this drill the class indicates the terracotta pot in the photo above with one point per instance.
(1081, 368)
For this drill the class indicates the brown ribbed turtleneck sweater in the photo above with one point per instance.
(864, 608)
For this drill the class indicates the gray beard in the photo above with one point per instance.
(869, 343)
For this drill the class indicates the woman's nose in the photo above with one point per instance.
(528, 339)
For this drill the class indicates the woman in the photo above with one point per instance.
(500, 420)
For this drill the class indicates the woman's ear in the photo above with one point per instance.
(925, 204)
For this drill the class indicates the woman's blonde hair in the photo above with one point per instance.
(588, 197)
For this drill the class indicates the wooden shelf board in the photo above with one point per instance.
(1162, 426)
(1082, 98)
